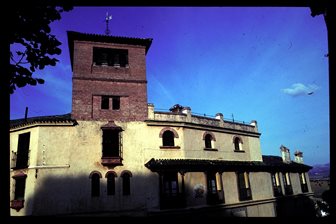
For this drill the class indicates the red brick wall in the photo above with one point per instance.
(90, 82)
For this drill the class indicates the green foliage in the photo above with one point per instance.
(34, 44)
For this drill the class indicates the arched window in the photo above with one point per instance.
(207, 141)
(237, 143)
(126, 182)
(95, 184)
(168, 138)
(111, 182)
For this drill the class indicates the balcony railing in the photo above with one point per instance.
(304, 188)
(17, 204)
(288, 190)
(215, 198)
(168, 201)
(111, 161)
(277, 191)
(245, 194)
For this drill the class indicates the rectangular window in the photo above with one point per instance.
(244, 186)
(105, 105)
(212, 189)
(116, 103)
(111, 143)
(105, 102)
(276, 185)
(110, 57)
(20, 186)
(170, 186)
(23, 151)
(287, 183)
(303, 182)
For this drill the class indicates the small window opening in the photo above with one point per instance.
(110, 57)
(116, 103)
(110, 184)
(237, 144)
(207, 140)
(168, 138)
(105, 103)
(95, 185)
(126, 184)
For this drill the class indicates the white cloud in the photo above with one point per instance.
(299, 89)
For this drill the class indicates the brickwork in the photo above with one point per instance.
(90, 82)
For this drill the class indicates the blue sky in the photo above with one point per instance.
(253, 63)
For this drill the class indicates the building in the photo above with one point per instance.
(114, 154)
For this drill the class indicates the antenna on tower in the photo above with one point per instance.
(107, 19)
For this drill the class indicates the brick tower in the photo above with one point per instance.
(109, 77)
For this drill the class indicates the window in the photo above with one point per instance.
(23, 151)
(170, 186)
(168, 138)
(95, 184)
(126, 182)
(19, 192)
(276, 185)
(111, 182)
(207, 141)
(115, 103)
(111, 143)
(237, 144)
(287, 183)
(303, 182)
(110, 57)
(244, 186)
(215, 195)
(105, 102)
(168, 135)
(211, 178)
(20, 186)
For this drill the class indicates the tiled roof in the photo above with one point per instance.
(72, 35)
(221, 165)
(65, 118)
(276, 161)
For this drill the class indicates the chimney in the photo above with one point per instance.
(255, 124)
(220, 116)
(298, 156)
(177, 108)
(187, 111)
(285, 154)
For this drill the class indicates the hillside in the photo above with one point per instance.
(320, 171)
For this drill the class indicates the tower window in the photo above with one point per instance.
(116, 103)
(105, 102)
(110, 57)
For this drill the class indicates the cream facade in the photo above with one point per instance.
(113, 162)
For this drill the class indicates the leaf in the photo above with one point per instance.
(40, 81)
